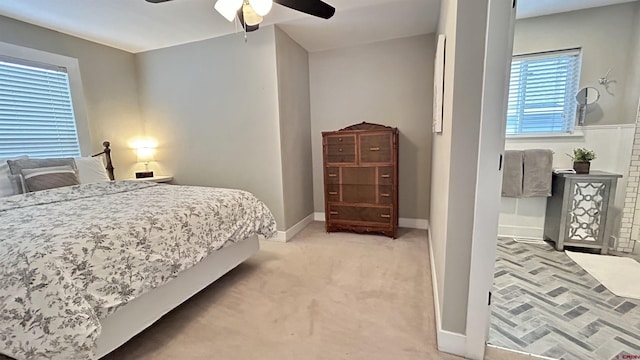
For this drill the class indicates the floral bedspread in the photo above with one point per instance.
(71, 256)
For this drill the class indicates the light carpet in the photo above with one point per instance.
(320, 296)
(618, 274)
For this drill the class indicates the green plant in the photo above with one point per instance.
(582, 154)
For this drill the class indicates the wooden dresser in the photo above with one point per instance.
(361, 179)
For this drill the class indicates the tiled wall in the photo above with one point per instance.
(630, 224)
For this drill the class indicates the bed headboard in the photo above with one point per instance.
(107, 155)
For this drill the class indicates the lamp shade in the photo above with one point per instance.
(250, 16)
(145, 154)
(261, 7)
(228, 8)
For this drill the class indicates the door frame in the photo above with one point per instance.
(497, 69)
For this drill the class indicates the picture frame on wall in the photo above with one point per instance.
(438, 84)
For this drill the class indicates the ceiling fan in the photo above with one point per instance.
(251, 12)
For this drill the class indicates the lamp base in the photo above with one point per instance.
(144, 174)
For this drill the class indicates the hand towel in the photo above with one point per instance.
(512, 173)
(537, 173)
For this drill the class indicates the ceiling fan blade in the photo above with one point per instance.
(312, 7)
(157, 1)
(247, 28)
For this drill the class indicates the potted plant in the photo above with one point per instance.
(582, 160)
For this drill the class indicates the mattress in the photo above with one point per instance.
(71, 257)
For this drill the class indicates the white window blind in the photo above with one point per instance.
(542, 93)
(36, 111)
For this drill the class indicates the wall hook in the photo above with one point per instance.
(605, 79)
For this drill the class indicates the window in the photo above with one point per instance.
(36, 110)
(542, 93)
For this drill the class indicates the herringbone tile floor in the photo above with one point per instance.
(545, 304)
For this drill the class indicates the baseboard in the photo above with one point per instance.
(284, 236)
(520, 231)
(422, 224)
(449, 342)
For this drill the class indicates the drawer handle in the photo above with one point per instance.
(333, 175)
(385, 216)
(385, 176)
(374, 149)
(340, 150)
(333, 193)
(333, 212)
(385, 195)
(339, 139)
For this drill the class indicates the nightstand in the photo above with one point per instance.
(158, 179)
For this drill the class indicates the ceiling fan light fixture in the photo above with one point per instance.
(261, 7)
(228, 8)
(251, 18)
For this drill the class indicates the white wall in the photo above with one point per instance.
(612, 144)
(388, 83)
(212, 106)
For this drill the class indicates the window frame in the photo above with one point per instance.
(75, 85)
(577, 130)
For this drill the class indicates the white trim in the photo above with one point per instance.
(284, 236)
(578, 132)
(605, 127)
(448, 341)
(520, 231)
(421, 224)
(519, 352)
(495, 84)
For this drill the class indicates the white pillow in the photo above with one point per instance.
(91, 170)
(8, 184)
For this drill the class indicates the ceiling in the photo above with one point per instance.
(137, 26)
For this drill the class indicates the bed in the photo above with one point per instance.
(84, 268)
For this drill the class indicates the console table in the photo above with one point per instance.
(577, 210)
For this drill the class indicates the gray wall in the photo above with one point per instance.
(212, 106)
(389, 83)
(295, 128)
(605, 35)
(455, 157)
(109, 81)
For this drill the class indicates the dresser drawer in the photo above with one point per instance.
(360, 214)
(332, 175)
(385, 175)
(385, 194)
(341, 140)
(333, 193)
(375, 148)
(341, 153)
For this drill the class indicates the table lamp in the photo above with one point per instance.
(145, 155)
